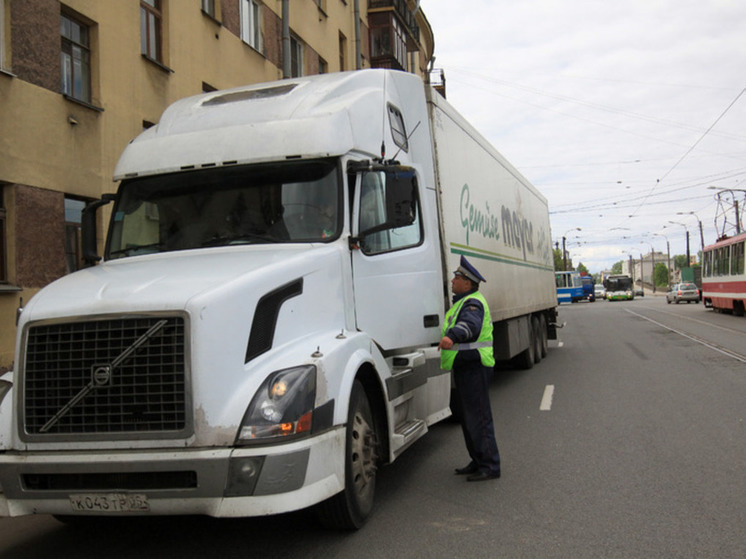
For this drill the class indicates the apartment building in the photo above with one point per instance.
(80, 78)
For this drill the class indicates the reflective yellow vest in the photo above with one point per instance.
(483, 343)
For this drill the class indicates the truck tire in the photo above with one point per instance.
(349, 509)
(525, 359)
(537, 339)
(543, 334)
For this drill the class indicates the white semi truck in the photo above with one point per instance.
(260, 335)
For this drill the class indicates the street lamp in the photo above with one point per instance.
(701, 234)
(668, 252)
(631, 265)
(688, 259)
(564, 250)
(652, 271)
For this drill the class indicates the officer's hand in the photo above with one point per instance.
(445, 343)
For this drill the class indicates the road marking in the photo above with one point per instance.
(546, 400)
(706, 323)
(712, 346)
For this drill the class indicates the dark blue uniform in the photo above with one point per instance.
(472, 381)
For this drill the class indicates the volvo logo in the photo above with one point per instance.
(101, 375)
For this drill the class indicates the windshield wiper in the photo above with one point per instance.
(129, 249)
(246, 237)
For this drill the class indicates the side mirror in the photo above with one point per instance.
(88, 228)
(401, 197)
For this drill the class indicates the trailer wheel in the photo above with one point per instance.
(525, 359)
(543, 335)
(537, 339)
(349, 509)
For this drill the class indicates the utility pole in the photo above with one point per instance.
(564, 256)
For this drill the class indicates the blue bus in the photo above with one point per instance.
(569, 287)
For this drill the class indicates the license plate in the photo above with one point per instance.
(109, 502)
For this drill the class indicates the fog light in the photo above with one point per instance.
(243, 473)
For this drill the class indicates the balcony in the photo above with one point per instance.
(401, 9)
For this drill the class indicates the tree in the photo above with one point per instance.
(582, 269)
(559, 262)
(680, 261)
(661, 274)
(617, 268)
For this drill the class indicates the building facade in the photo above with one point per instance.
(643, 267)
(80, 78)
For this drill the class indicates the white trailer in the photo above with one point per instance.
(261, 333)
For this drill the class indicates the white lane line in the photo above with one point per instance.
(546, 400)
(724, 351)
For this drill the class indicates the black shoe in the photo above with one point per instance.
(470, 469)
(482, 476)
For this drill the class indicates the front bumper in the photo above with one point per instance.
(221, 482)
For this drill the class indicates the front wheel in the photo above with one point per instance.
(349, 509)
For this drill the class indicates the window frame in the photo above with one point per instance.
(208, 7)
(4, 279)
(3, 49)
(737, 259)
(297, 66)
(384, 241)
(250, 14)
(69, 60)
(151, 12)
(342, 52)
(73, 234)
(398, 127)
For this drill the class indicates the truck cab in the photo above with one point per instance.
(255, 339)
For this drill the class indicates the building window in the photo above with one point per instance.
(73, 219)
(208, 6)
(323, 66)
(342, 50)
(296, 57)
(251, 24)
(2, 34)
(150, 29)
(76, 59)
(3, 240)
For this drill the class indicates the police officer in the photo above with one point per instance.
(466, 349)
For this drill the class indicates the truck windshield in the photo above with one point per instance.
(285, 202)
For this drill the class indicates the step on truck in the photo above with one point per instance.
(260, 333)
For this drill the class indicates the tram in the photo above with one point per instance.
(723, 277)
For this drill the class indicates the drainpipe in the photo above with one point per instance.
(286, 69)
(358, 50)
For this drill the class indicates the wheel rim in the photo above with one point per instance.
(363, 455)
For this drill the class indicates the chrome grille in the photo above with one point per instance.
(122, 376)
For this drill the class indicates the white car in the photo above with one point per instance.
(599, 291)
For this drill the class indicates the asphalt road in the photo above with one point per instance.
(639, 452)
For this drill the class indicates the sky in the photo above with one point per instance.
(629, 116)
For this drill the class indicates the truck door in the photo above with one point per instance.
(396, 264)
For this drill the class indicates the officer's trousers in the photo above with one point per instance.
(472, 381)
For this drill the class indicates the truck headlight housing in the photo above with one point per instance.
(282, 407)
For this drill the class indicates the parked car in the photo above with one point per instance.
(599, 291)
(683, 292)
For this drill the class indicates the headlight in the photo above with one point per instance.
(282, 407)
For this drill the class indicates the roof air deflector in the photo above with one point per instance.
(249, 95)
